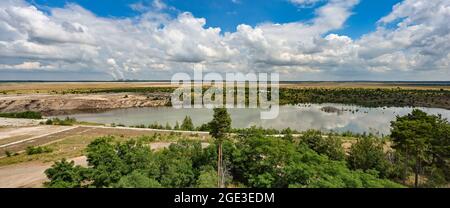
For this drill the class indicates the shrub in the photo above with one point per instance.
(37, 150)
(8, 153)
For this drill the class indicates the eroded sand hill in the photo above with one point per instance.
(59, 104)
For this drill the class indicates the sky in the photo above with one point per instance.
(317, 40)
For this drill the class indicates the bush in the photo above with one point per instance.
(65, 174)
(37, 150)
(326, 145)
(8, 153)
(65, 122)
(207, 179)
(368, 154)
(137, 180)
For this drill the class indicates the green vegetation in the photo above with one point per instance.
(187, 124)
(8, 153)
(37, 150)
(219, 128)
(327, 145)
(368, 154)
(424, 142)
(367, 97)
(26, 114)
(249, 162)
(62, 122)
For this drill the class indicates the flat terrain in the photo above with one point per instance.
(53, 87)
(29, 174)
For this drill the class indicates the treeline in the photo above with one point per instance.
(26, 114)
(255, 161)
(368, 97)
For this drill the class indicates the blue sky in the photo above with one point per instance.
(228, 14)
(155, 39)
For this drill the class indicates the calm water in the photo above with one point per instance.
(300, 117)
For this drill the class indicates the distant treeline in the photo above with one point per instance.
(26, 114)
(366, 97)
(395, 97)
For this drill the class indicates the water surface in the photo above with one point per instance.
(325, 117)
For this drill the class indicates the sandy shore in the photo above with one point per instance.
(18, 122)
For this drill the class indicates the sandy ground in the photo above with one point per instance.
(28, 175)
(30, 131)
(16, 122)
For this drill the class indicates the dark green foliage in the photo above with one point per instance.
(330, 145)
(207, 178)
(367, 97)
(62, 122)
(65, 174)
(221, 123)
(137, 180)
(271, 162)
(26, 114)
(37, 150)
(187, 124)
(368, 154)
(250, 162)
(8, 153)
(425, 143)
(177, 126)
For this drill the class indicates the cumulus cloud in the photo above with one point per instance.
(414, 37)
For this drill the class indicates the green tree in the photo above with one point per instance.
(107, 166)
(207, 179)
(368, 154)
(177, 126)
(64, 174)
(219, 127)
(137, 180)
(327, 145)
(423, 140)
(187, 124)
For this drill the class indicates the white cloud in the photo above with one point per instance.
(27, 66)
(305, 3)
(414, 37)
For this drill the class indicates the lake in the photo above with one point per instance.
(325, 117)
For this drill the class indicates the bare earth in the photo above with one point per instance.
(17, 122)
(57, 104)
(30, 174)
